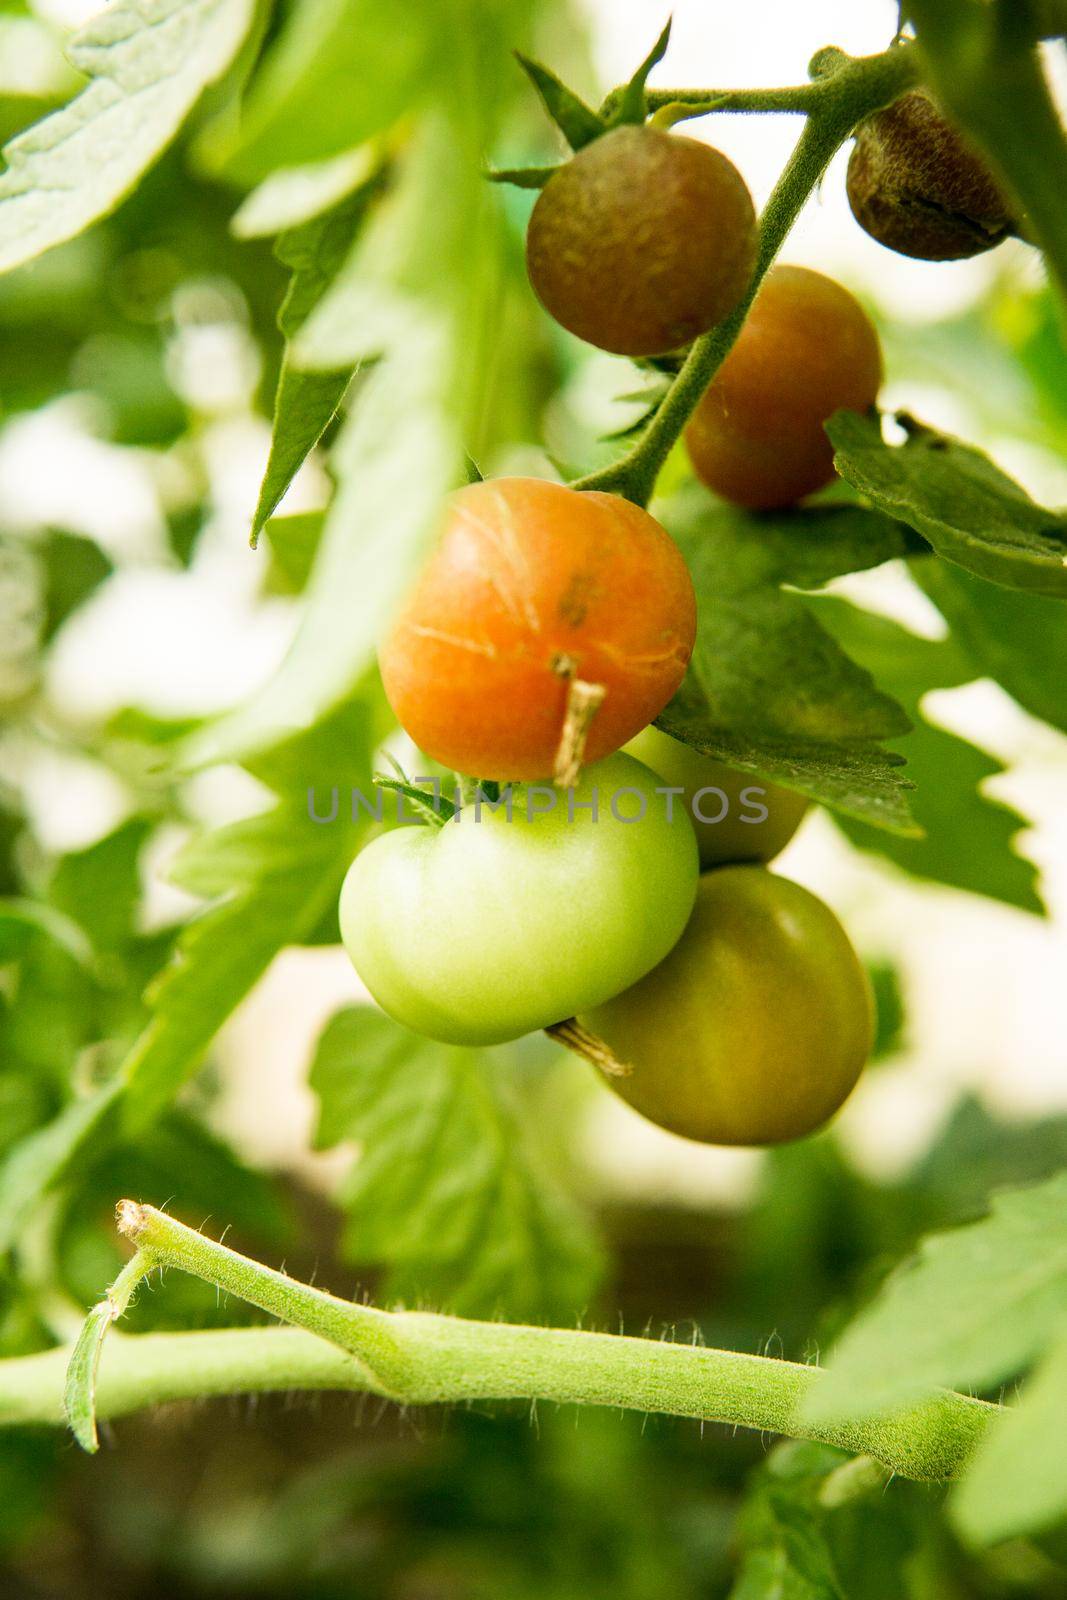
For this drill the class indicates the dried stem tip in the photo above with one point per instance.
(589, 1046)
(583, 702)
(130, 1218)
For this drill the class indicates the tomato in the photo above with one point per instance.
(916, 186)
(756, 1026)
(642, 241)
(527, 578)
(488, 927)
(736, 816)
(807, 349)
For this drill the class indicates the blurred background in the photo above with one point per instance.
(137, 366)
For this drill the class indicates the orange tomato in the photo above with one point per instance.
(531, 579)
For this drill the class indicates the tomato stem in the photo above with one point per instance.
(589, 1046)
(422, 1358)
(846, 91)
(583, 702)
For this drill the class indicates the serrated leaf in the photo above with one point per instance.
(969, 838)
(445, 1195)
(294, 195)
(969, 511)
(1016, 1483)
(522, 177)
(632, 106)
(280, 873)
(1018, 639)
(768, 689)
(79, 1392)
(149, 61)
(578, 123)
(976, 1306)
(306, 402)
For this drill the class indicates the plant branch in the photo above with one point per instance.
(844, 94)
(422, 1358)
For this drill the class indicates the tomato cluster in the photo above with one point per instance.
(631, 908)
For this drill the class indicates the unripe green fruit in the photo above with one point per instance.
(916, 186)
(508, 920)
(755, 819)
(755, 1028)
(642, 241)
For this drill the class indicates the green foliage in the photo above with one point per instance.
(148, 62)
(968, 838)
(768, 689)
(970, 512)
(576, 121)
(446, 1194)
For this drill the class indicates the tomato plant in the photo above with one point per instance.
(533, 585)
(306, 916)
(569, 899)
(756, 1026)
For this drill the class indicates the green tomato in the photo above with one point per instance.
(737, 816)
(756, 1026)
(488, 928)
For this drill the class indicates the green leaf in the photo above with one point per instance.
(294, 543)
(73, 567)
(969, 838)
(1017, 1481)
(784, 1549)
(632, 106)
(445, 1194)
(577, 122)
(306, 402)
(966, 508)
(39, 1163)
(423, 286)
(768, 689)
(100, 888)
(295, 195)
(149, 61)
(977, 1306)
(1020, 640)
(280, 873)
(79, 1394)
(340, 72)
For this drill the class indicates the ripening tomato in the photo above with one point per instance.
(510, 919)
(530, 579)
(642, 241)
(807, 349)
(755, 1028)
(736, 816)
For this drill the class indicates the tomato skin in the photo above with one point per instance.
(807, 349)
(642, 241)
(481, 931)
(917, 187)
(527, 574)
(742, 834)
(755, 1028)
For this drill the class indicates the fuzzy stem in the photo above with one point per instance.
(422, 1358)
(848, 91)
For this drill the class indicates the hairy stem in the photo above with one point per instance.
(422, 1358)
(846, 91)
